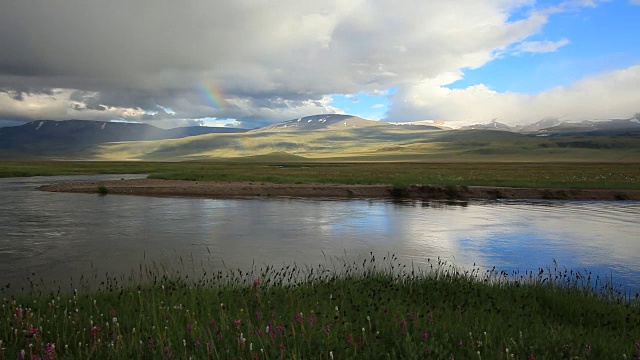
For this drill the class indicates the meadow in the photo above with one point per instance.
(285, 169)
(368, 308)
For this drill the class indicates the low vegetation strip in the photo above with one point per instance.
(621, 176)
(225, 189)
(367, 309)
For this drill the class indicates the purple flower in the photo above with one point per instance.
(425, 335)
(50, 351)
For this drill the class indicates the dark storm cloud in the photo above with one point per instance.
(270, 61)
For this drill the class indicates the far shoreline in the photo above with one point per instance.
(224, 189)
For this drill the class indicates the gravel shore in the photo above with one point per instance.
(216, 189)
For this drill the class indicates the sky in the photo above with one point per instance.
(249, 63)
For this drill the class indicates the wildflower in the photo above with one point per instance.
(258, 315)
(350, 339)
(430, 318)
(403, 326)
(189, 328)
(331, 355)
(95, 331)
(237, 322)
(150, 341)
(167, 352)
(311, 320)
(411, 315)
(50, 351)
(256, 283)
(112, 313)
(33, 331)
(425, 335)
(298, 318)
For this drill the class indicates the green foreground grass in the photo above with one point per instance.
(540, 175)
(369, 309)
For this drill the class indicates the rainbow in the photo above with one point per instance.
(213, 95)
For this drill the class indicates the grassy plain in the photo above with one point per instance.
(367, 309)
(378, 143)
(287, 169)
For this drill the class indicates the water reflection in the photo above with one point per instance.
(58, 236)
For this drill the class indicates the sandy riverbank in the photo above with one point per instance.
(236, 189)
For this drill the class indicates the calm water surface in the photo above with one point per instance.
(61, 236)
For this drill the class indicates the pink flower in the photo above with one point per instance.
(350, 339)
(95, 331)
(50, 351)
(256, 283)
(425, 335)
(403, 326)
(237, 322)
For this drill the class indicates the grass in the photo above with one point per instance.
(541, 175)
(367, 309)
(535, 175)
(102, 189)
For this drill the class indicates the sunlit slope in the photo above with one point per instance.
(379, 142)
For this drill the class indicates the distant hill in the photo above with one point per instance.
(320, 122)
(493, 125)
(339, 137)
(69, 133)
(594, 128)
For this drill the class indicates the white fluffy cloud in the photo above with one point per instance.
(254, 61)
(609, 95)
(540, 46)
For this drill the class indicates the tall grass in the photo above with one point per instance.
(369, 308)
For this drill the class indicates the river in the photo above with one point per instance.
(57, 237)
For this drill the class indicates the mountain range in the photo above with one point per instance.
(327, 136)
(49, 133)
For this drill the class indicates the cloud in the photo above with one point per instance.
(377, 106)
(634, 2)
(130, 57)
(540, 46)
(610, 95)
(256, 62)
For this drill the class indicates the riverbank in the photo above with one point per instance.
(375, 310)
(223, 189)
